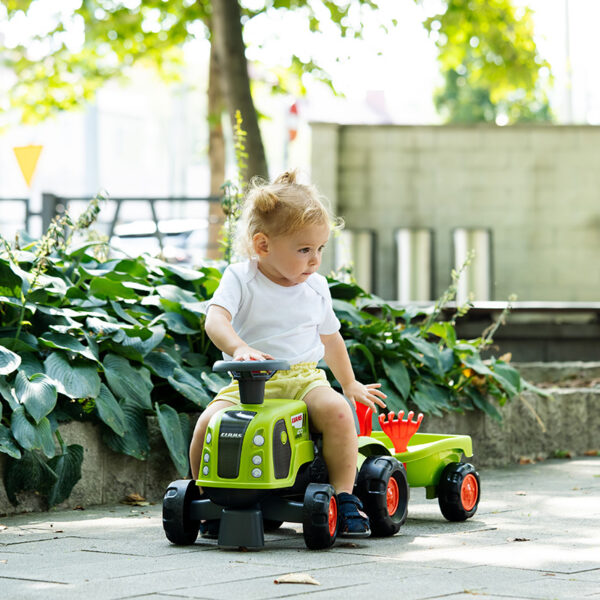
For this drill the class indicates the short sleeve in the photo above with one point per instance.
(329, 323)
(229, 293)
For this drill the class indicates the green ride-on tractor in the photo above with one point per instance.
(260, 467)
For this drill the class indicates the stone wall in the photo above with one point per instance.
(537, 188)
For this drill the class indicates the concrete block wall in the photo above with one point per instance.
(536, 187)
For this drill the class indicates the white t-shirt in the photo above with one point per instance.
(285, 322)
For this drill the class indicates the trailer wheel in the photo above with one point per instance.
(459, 490)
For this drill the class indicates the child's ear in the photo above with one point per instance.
(260, 243)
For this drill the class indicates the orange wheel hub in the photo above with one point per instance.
(469, 491)
(392, 496)
(333, 513)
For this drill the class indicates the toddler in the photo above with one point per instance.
(276, 305)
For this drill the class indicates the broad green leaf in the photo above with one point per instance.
(9, 361)
(7, 391)
(7, 443)
(175, 294)
(110, 411)
(430, 354)
(482, 403)
(394, 401)
(135, 441)
(366, 353)
(72, 378)
(32, 436)
(30, 473)
(509, 374)
(23, 430)
(67, 467)
(127, 382)
(103, 327)
(347, 312)
(176, 322)
(21, 345)
(102, 287)
(397, 373)
(160, 363)
(182, 272)
(445, 331)
(139, 345)
(37, 393)
(122, 312)
(475, 363)
(12, 284)
(430, 398)
(63, 341)
(99, 269)
(189, 387)
(170, 426)
(344, 291)
(215, 382)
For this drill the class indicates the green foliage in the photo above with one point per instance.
(418, 360)
(118, 340)
(111, 342)
(490, 63)
(487, 54)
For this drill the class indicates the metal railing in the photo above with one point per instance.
(53, 205)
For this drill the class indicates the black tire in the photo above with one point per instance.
(271, 525)
(459, 490)
(383, 489)
(320, 519)
(179, 528)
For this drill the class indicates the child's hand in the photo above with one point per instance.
(368, 394)
(249, 353)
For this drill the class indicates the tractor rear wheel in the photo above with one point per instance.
(383, 489)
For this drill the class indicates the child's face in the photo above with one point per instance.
(289, 260)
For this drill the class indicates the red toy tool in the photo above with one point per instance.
(400, 431)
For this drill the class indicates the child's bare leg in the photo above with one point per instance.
(331, 415)
(199, 431)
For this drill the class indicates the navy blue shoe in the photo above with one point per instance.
(210, 529)
(353, 521)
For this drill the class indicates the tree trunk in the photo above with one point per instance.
(216, 151)
(227, 30)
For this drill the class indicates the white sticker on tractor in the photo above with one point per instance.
(297, 420)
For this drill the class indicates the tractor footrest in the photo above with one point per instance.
(241, 528)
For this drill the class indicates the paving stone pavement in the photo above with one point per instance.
(536, 535)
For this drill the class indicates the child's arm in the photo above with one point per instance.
(219, 329)
(336, 357)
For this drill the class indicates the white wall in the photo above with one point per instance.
(537, 188)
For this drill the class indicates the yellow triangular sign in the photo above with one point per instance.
(27, 156)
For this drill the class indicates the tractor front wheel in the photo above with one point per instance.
(383, 489)
(179, 528)
(459, 490)
(320, 516)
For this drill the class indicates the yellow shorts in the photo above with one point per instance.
(288, 385)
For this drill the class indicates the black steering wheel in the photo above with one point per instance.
(251, 369)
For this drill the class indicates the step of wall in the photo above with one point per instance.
(559, 372)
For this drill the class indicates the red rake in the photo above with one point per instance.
(400, 431)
